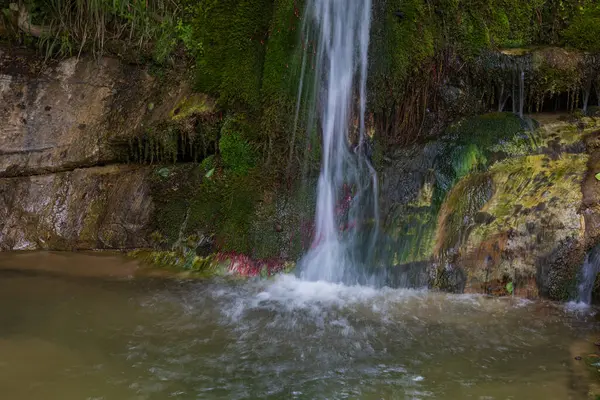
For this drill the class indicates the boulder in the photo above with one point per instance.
(493, 207)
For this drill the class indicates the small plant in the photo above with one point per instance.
(67, 27)
(510, 288)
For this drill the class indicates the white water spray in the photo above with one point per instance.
(346, 214)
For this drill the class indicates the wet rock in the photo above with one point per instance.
(450, 278)
(527, 238)
(205, 247)
(92, 208)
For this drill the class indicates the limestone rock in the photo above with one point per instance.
(57, 116)
(92, 208)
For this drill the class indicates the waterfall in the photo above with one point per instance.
(589, 271)
(347, 217)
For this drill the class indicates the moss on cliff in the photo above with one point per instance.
(470, 146)
(234, 35)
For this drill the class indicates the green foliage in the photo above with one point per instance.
(584, 30)
(414, 54)
(510, 288)
(70, 26)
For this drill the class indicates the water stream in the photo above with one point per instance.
(346, 215)
(65, 336)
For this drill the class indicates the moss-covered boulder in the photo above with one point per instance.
(498, 205)
(518, 226)
(416, 180)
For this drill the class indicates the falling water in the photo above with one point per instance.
(346, 214)
(521, 93)
(589, 271)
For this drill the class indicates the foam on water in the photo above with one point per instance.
(290, 299)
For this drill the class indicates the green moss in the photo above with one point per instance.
(459, 209)
(236, 151)
(526, 184)
(475, 142)
(234, 35)
(182, 260)
(196, 103)
(280, 224)
(530, 180)
(399, 47)
(189, 204)
(414, 235)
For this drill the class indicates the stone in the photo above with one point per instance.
(524, 218)
(92, 208)
(57, 116)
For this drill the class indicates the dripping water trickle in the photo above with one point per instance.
(589, 271)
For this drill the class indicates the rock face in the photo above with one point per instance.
(91, 208)
(514, 212)
(62, 130)
(60, 116)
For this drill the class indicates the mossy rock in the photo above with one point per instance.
(193, 104)
(434, 169)
(185, 260)
(531, 214)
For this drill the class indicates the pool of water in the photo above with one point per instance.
(101, 334)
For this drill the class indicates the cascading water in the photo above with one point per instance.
(346, 221)
(589, 271)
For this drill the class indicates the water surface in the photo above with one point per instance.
(95, 336)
